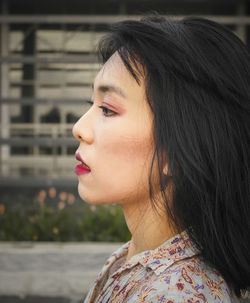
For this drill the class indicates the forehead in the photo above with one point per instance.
(114, 72)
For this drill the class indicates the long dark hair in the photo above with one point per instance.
(197, 76)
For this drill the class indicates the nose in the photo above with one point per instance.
(82, 129)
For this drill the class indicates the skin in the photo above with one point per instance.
(117, 145)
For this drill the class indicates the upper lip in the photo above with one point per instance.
(79, 158)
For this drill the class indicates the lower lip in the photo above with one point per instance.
(81, 170)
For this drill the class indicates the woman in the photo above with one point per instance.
(168, 138)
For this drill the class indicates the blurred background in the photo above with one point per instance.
(47, 65)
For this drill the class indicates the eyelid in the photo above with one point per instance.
(103, 108)
(108, 109)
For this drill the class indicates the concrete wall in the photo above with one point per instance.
(51, 270)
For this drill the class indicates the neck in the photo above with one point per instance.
(149, 228)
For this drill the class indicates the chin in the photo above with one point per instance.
(88, 198)
(83, 195)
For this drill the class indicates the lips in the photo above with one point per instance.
(81, 168)
(78, 157)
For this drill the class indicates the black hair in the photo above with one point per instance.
(197, 76)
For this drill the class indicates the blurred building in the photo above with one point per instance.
(48, 63)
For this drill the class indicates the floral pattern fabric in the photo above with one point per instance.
(170, 273)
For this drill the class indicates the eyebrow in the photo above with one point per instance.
(111, 88)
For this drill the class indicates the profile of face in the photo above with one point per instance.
(115, 138)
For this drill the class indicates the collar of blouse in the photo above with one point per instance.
(158, 260)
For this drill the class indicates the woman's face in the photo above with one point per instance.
(116, 142)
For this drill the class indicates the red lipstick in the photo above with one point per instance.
(81, 168)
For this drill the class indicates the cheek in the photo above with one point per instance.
(121, 170)
(124, 154)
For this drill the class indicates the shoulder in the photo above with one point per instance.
(187, 281)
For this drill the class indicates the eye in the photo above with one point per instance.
(107, 112)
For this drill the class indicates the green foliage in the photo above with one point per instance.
(61, 218)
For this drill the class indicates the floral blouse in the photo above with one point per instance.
(170, 273)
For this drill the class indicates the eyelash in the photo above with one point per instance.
(103, 109)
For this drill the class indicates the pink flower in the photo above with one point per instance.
(93, 208)
(52, 192)
(71, 198)
(63, 195)
(61, 205)
(55, 230)
(41, 196)
(2, 209)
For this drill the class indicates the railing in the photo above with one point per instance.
(28, 169)
(41, 165)
(53, 130)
